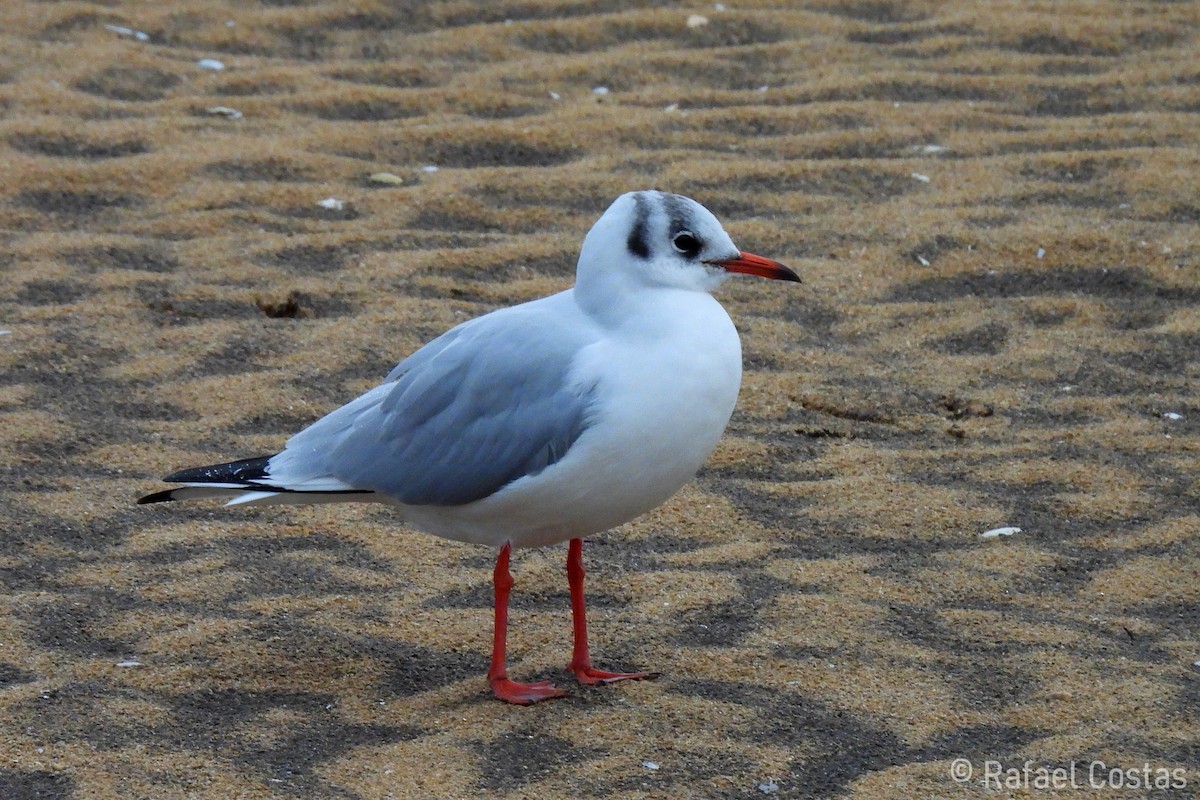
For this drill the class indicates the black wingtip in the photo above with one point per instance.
(248, 469)
(244, 471)
(157, 497)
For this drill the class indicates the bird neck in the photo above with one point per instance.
(612, 302)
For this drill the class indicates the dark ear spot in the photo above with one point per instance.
(637, 240)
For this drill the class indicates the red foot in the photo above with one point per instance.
(590, 676)
(524, 694)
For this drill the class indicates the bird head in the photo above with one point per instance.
(667, 240)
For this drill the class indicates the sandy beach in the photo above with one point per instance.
(219, 221)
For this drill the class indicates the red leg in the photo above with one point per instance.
(502, 687)
(581, 659)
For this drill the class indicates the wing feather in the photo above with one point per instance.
(459, 419)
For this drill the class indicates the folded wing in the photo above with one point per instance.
(458, 420)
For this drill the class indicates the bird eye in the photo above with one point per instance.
(685, 242)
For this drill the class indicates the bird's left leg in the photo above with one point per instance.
(581, 660)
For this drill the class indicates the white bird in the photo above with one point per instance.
(543, 422)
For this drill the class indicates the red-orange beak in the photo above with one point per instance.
(751, 264)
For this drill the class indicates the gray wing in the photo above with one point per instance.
(481, 406)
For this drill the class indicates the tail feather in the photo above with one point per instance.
(190, 493)
(249, 481)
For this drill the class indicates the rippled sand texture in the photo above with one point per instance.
(994, 208)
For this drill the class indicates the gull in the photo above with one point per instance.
(543, 422)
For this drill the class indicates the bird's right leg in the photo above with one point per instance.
(505, 689)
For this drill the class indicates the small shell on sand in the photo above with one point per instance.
(995, 533)
(224, 111)
(385, 179)
(121, 30)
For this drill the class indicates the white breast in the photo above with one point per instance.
(663, 398)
